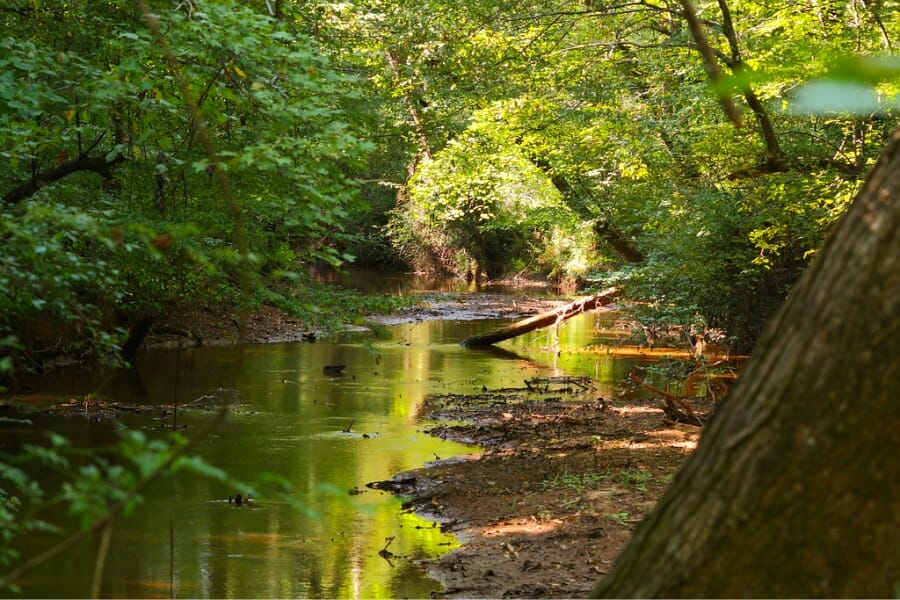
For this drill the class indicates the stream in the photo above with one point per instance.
(326, 434)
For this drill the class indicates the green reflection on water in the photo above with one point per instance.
(290, 418)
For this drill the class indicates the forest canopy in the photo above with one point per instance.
(155, 155)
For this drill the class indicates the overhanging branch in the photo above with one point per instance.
(95, 164)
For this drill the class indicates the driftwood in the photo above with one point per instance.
(675, 408)
(534, 384)
(543, 319)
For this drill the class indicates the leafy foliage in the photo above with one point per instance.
(96, 485)
(491, 136)
(110, 208)
(558, 137)
(483, 199)
(613, 108)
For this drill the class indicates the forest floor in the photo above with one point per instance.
(564, 478)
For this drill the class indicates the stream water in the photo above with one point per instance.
(327, 435)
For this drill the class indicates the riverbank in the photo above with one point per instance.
(569, 465)
(198, 327)
(565, 476)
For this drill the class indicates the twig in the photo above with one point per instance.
(100, 561)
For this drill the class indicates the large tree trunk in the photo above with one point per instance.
(795, 487)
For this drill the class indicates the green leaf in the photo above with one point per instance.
(197, 465)
(839, 97)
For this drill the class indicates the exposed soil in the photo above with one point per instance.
(552, 501)
(199, 327)
(564, 478)
(470, 307)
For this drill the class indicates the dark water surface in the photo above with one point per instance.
(289, 418)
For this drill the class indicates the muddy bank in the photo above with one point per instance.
(564, 478)
(198, 327)
(470, 307)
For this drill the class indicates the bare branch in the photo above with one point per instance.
(710, 62)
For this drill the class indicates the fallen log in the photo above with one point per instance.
(543, 319)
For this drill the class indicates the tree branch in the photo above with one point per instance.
(114, 510)
(580, 198)
(96, 164)
(710, 63)
(411, 100)
(774, 156)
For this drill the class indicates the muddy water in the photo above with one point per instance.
(327, 435)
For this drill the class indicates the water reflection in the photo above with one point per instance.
(289, 417)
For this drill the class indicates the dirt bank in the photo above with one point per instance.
(198, 327)
(545, 510)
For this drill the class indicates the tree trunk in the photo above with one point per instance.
(581, 200)
(795, 487)
(136, 335)
(412, 105)
(607, 231)
(544, 319)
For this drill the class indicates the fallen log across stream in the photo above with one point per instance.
(544, 319)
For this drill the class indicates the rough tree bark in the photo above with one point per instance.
(795, 487)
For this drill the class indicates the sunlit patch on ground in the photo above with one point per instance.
(531, 526)
(630, 410)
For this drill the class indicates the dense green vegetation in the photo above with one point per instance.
(209, 152)
(158, 156)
